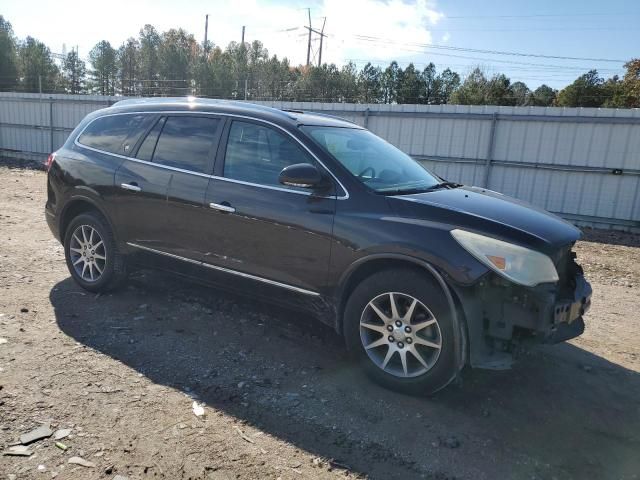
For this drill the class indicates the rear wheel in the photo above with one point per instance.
(91, 253)
(398, 325)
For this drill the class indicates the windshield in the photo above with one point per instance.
(373, 161)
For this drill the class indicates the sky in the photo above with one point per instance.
(376, 31)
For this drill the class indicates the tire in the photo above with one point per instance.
(362, 327)
(97, 269)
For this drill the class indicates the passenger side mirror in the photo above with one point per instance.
(302, 175)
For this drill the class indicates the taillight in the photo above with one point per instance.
(50, 159)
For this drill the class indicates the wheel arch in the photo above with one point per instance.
(78, 205)
(364, 267)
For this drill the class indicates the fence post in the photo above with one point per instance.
(366, 117)
(490, 148)
(51, 124)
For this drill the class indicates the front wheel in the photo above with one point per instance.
(398, 325)
(91, 253)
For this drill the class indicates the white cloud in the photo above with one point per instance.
(395, 20)
(75, 23)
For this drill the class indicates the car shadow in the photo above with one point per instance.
(561, 411)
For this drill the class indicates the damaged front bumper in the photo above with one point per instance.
(567, 319)
(503, 318)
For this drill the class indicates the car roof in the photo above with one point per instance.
(235, 107)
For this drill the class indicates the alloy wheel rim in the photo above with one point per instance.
(88, 253)
(400, 335)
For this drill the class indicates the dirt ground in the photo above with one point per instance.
(280, 398)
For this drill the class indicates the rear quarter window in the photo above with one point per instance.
(114, 133)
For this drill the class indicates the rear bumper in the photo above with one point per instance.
(52, 221)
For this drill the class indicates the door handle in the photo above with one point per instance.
(222, 207)
(131, 186)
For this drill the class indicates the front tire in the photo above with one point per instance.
(92, 255)
(398, 325)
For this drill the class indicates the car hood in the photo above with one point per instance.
(490, 213)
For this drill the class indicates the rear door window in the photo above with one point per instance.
(186, 142)
(115, 133)
(145, 152)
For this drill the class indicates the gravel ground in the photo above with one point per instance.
(280, 399)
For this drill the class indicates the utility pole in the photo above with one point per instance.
(322, 35)
(206, 32)
(242, 35)
(309, 41)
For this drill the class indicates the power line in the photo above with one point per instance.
(490, 52)
(546, 15)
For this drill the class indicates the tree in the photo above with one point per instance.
(369, 81)
(177, 53)
(410, 85)
(498, 91)
(148, 61)
(37, 67)
(521, 94)
(429, 85)
(128, 67)
(390, 81)
(586, 91)
(348, 83)
(74, 71)
(8, 56)
(631, 84)
(445, 85)
(105, 69)
(543, 96)
(473, 89)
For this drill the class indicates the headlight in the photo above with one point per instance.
(518, 264)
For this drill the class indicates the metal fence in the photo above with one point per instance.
(582, 163)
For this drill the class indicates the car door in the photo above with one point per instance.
(141, 202)
(276, 237)
(165, 184)
(187, 146)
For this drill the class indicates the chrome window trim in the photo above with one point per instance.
(215, 177)
(226, 270)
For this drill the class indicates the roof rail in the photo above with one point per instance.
(320, 114)
(200, 100)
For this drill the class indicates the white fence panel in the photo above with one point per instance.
(583, 163)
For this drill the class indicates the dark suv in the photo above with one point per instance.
(420, 275)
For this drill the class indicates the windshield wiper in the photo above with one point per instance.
(440, 185)
(409, 191)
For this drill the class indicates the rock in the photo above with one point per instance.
(42, 468)
(18, 451)
(587, 368)
(43, 431)
(81, 461)
(198, 409)
(450, 442)
(120, 477)
(241, 384)
(61, 433)
(3, 341)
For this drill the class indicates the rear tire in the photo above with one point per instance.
(411, 344)
(92, 255)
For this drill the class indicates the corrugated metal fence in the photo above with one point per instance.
(582, 163)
